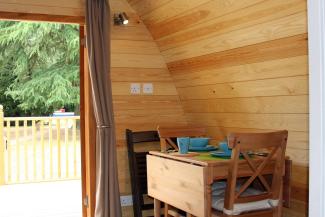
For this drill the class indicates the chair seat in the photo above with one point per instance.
(218, 195)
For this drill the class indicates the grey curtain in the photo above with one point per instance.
(98, 44)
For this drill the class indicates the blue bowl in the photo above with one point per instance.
(199, 142)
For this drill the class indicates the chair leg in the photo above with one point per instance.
(166, 208)
(157, 206)
(278, 211)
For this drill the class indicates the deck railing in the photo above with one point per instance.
(35, 149)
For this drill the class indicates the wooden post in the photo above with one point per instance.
(2, 148)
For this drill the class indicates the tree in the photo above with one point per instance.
(39, 62)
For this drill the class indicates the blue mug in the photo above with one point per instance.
(223, 146)
(183, 144)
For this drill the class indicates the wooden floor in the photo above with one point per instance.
(48, 199)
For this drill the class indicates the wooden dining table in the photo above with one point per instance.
(184, 182)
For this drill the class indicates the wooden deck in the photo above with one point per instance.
(47, 199)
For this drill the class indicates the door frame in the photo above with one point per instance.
(87, 120)
(316, 30)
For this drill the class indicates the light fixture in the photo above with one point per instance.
(121, 18)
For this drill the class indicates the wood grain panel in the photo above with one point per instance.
(137, 60)
(120, 6)
(171, 9)
(146, 6)
(276, 29)
(196, 16)
(297, 209)
(267, 87)
(146, 103)
(131, 33)
(190, 183)
(249, 16)
(134, 47)
(278, 68)
(254, 105)
(276, 49)
(140, 74)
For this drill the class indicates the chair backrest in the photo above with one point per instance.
(246, 149)
(167, 134)
(138, 166)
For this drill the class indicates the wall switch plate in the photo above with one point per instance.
(147, 88)
(135, 88)
(126, 200)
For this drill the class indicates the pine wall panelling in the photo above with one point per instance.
(239, 66)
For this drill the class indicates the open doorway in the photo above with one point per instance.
(40, 167)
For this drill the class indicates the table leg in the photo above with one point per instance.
(157, 206)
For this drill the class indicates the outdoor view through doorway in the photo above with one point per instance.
(40, 156)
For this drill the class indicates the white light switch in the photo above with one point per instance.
(135, 88)
(147, 88)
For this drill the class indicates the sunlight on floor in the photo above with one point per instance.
(48, 199)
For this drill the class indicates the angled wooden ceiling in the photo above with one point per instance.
(238, 66)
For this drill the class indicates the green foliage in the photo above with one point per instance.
(39, 66)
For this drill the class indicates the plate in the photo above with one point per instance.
(206, 148)
(221, 154)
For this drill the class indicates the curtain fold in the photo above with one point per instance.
(98, 44)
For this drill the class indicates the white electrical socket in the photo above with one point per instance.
(126, 200)
(135, 88)
(147, 88)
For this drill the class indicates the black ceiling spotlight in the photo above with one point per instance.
(121, 18)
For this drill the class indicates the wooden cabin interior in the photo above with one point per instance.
(224, 64)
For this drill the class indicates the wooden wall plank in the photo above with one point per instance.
(203, 13)
(140, 74)
(171, 9)
(130, 33)
(145, 6)
(257, 13)
(276, 29)
(278, 68)
(134, 47)
(137, 61)
(149, 102)
(267, 87)
(276, 49)
(254, 105)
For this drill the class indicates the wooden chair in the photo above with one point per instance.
(138, 168)
(242, 144)
(167, 134)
